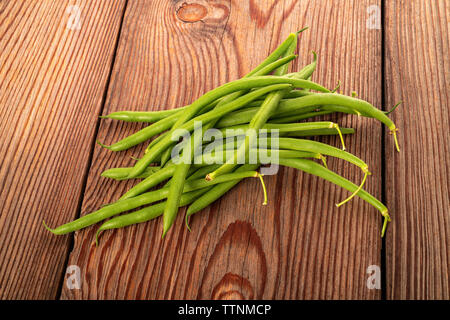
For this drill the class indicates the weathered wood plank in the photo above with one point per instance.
(417, 178)
(299, 246)
(53, 77)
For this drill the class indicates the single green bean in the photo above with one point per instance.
(280, 128)
(322, 132)
(222, 157)
(143, 135)
(322, 148)
(142, 116)
(315, 169)
(122, 173)
(361, 106)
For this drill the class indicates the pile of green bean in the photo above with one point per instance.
(268, 98)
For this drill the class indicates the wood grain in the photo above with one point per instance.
(53, 78)
(417, 178)
(299, 246)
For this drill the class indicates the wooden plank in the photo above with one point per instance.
(417, 184)
(299, 246)
(55, 59)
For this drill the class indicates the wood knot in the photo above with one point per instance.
(191, 12)
(237, 268)
(233, 287)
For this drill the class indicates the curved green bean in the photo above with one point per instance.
(361, 106)
(315, 169)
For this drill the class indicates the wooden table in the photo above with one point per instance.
(64, 63)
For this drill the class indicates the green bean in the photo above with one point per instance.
(139, 201)
(322, 148)
(122, 173)
(335, 108)
(223, 156)
(315, 169)
(295, 94)
(165, 156)
(142, 116)
(310, 132)
(321, 132)
(150, 182)
(286, 128)
(143, 134)
(173, 198)
(202, 171)
(165, 142)
(271, 101)
(358, 105)
(155, 141)
(307, 71)
(301, 116)
(285, 113)
(196, 172)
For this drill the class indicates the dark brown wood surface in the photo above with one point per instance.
(52, 81)
(161, 54)
(417, 179)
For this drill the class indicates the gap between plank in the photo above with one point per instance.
(91, 154)
(383, 146)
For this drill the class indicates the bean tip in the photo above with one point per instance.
(186, 221)
(394, 132)
(387, 218)
(102, 145)
(260, 176)
(301, 30)
(393, 109)
(47, 227)
(164, 232)
(97, 236)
